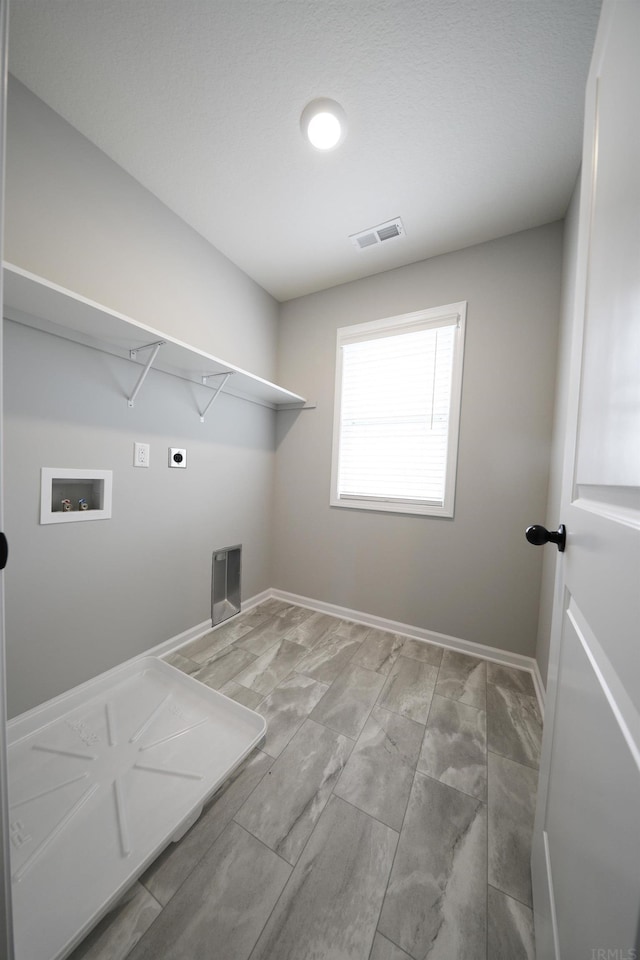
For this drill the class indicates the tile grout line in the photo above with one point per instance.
(293, 867)
(497, 655)
(271, 912)
(347, 664)
(399, 832)
(332, 794)
(238, 811)
(450, 786)
(404, 817)
(293, 669)
(527, 766)
(213, 800)
(510, 896)
(233, 820)
(415, 771)
(393, 862)
(364, 813)
(113, 911)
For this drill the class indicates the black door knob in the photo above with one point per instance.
(4, 551)
(539, 535)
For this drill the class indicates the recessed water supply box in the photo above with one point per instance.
(69, 494)
(225, 583)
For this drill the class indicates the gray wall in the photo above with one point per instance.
(553, 518)
(473, 577)
(76, 218)
(82, 597)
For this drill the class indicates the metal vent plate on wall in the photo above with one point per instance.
(390, 230)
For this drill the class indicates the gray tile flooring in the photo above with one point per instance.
(388, 815)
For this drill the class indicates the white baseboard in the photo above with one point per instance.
(174, 644)
(504, 657)
(254, 601)
(538, 683)
(171, 645)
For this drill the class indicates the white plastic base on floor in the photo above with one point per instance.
(100, 781)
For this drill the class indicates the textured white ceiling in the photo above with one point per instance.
(465, 117)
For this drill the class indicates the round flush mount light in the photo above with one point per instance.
(323, 123)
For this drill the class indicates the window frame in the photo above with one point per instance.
(432, 317)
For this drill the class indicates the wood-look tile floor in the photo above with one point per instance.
(388, 815)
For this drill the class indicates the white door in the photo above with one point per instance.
(6, 938)
(586, 847)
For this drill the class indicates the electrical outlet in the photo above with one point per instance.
(141, 454)
(178, 457)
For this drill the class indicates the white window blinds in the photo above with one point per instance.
(395, 398)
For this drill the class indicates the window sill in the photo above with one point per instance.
(390, 506)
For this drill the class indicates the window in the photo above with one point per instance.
(397, 408)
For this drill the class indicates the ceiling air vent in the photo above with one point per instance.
(379, 234)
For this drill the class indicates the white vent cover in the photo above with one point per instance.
(379, 234)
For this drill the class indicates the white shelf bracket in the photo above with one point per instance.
(143, 376)
(216, 392)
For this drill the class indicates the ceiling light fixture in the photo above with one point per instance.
(324, 123)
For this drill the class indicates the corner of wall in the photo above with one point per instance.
(550, 561)
(76, 218)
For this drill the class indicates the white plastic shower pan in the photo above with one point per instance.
(100, 781)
